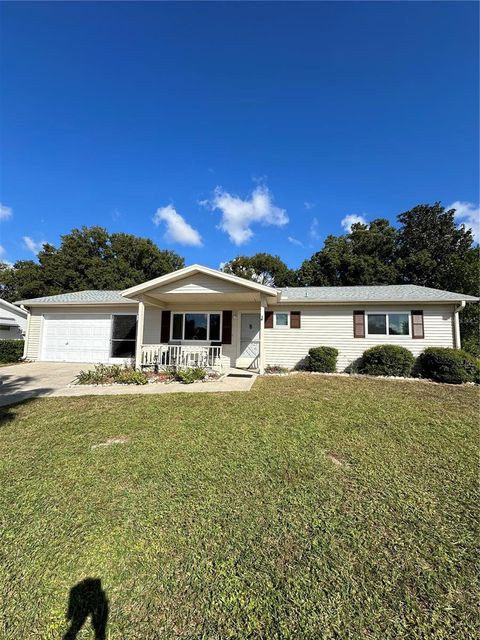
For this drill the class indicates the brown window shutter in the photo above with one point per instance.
(295, 320)
(268, 320)
(165, 328)
(418, 331)
(226, 327)
(359, 324)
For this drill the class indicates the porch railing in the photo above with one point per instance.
(181, 356)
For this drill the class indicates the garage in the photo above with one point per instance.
(76, 337)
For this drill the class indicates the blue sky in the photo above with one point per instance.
(218, 129)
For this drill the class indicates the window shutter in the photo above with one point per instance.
(268, 320)
(359, 324)
(165, 327)
(226, 327)
(295, 320)
(418, 331)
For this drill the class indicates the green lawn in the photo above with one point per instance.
(311, 507)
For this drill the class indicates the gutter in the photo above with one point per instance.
(457, 342)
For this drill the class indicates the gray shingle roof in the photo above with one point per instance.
(80, 297)
(387, 293)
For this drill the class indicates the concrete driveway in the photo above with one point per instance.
(35, 379)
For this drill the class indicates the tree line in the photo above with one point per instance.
(426, 248)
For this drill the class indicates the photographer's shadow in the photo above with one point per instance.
(87, 599)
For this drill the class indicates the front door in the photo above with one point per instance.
(249, 341)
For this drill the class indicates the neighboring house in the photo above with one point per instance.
(13, 321)
(202, 316)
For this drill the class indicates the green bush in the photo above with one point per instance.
(109, 374)
(190, 375)
(11, 350)
(322, 359)
(386, 360)
(448, 365)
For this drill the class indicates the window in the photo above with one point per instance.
(4, 327)
(388, 324)
(196, 326)
(124, 332)
(281, 320)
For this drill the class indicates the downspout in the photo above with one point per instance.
(27, 333)
(456, 325)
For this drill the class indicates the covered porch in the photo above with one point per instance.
(199, 317)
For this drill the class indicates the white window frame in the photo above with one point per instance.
(388, 334)
(208, 314)
(281, 326)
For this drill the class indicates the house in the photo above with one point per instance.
(13, 321)
(198, 315)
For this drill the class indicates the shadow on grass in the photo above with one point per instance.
(87, 599)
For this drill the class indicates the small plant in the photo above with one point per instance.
(387, 360)
(109, 374)
(448, 365)
(11, 350)
(275, 368)
(322, 359)
(190, 375)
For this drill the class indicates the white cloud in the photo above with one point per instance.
(2, 251)
(352, 218)
(468, 214)
(314, 229)
(309, 205)
(178, 229)
(5, 212)
(239, 215)
(33, 246)
(294, 241)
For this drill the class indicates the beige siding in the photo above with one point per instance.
(333, 326)
(151, 329)
(34, 332)
(201, 283)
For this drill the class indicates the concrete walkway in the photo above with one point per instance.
(39, 379)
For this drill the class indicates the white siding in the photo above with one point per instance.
(152, 324)
(332, 326)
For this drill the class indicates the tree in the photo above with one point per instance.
(263, 268)
(431, 249)
(365, 255)
(88, 258)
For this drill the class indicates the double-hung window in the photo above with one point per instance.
(388, 324)
(196, 326)
(282, 320)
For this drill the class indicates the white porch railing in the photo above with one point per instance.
(181, 356)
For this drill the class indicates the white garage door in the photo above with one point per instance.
(76, 337)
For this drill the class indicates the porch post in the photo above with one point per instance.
(261, 359)
(139, 343)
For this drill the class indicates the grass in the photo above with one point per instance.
(312, 507)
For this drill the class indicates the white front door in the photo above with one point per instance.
(76, 337)
(249, 341)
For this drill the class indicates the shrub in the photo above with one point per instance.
(11, 350)
(275, 368)
(322, 359)
(108, 374)
(190, 375)
(386, 360)
(448, 365)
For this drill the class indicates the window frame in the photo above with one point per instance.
(405, 336)
(208, 314)
(113, 340)
(281, 326)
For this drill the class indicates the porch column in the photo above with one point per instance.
(139, 343)
(261, 359)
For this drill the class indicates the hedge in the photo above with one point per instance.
(11, 350)
(387, 360)
(443, 364)
(322, 359)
